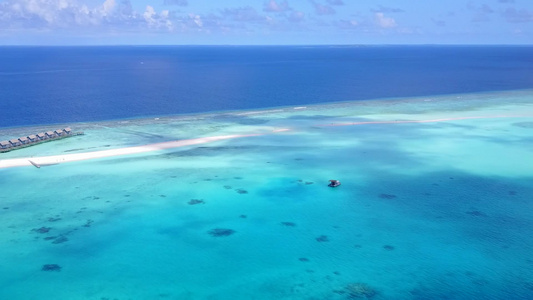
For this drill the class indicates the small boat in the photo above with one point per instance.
(334, 183)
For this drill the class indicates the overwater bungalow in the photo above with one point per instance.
(68, 130)
(51, 134)
(24, 140)
(42, 136)
(5, 145)
(15, 142)
(33, 138)
(59, 132)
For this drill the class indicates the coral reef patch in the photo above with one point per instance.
(42, 229)
(322, 238)
(196, 201)
(288, 224)
(88, 223)
(60, 239)
(359, 290)
(218, 232)
(51, 268)
(387, 196)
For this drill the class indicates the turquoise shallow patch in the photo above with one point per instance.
(426, 210)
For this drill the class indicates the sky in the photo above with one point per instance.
(265, 22)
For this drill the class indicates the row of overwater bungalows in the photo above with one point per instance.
(34, 139)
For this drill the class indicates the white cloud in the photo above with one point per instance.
(273, 6)
(157, 20)
(53, 14)
(323, 9)
(383, 21)
(149, 14)
(296, 16)
(108, 7)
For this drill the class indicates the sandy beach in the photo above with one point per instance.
(57, 159)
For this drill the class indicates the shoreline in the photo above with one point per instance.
(57, 159)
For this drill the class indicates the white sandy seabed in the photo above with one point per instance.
(435, 202)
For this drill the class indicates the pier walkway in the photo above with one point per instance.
(35, 139)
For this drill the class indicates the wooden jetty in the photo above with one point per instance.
(35, 139)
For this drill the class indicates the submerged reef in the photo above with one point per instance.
(241, 191)
(359, 290)
(51, 267)
(217, 232)
(388, 247)
(322, 238)
(42, 229)
(196, 201)
(288, 224)
(60, 239)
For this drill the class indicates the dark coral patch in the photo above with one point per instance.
(53, 219)
(60, 239)
(241, 191)
(288, 224)
(322, 238)
(51, 268)
(88, 223)
(303, 259)
(42, 229)
(388, 247)
(218, 232)
(227, 187)
(359, 290)
(196, 201)
(387, 196)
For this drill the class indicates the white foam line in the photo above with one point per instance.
(57, 159)
(259, 112)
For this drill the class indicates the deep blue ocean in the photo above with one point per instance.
(43, 85)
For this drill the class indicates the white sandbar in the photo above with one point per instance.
(57, 159)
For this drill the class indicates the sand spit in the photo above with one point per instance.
(57, 159)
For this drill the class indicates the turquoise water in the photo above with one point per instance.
(437, 210)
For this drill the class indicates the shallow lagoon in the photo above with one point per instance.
(434, 210)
